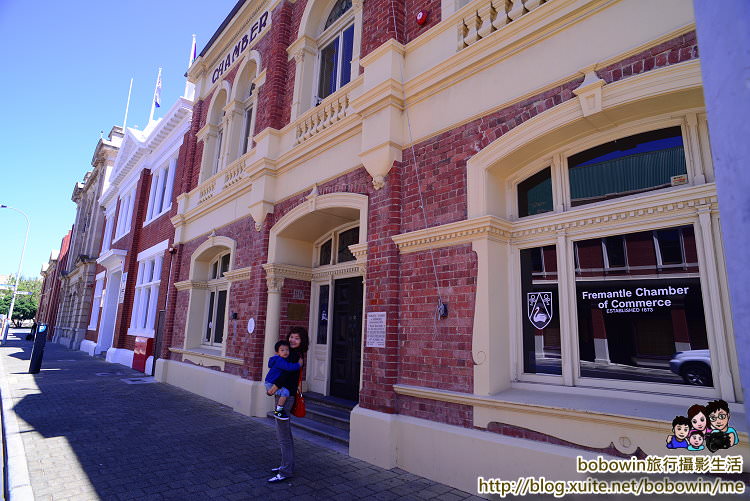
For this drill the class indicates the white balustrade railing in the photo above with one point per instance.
(491, 16)
(327, 113)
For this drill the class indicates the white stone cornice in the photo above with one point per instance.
(111, 259)
(238, 274)
(336, 271)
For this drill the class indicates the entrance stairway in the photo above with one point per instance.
(326, 416)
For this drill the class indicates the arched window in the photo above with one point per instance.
(216, 307)
(213, 135)
(336, 48)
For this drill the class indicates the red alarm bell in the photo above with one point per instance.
(421, 17)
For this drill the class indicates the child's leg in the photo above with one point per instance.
(282, 401)
(272, 390)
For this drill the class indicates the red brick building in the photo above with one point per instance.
(49, 300)
(497, 221)
(135, 262)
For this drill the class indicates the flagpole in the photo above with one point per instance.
(189, 87)
(153, 101)
(127, 106)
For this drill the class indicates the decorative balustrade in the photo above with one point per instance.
(490, 17)
(233, 173)
(327, 113)
(207, 191)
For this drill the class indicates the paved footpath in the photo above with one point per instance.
(88, 435)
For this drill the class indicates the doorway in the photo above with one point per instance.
(346, 338)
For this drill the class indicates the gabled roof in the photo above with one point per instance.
(138, 143)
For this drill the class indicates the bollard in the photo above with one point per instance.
(37, 352)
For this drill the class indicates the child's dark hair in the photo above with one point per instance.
(696, 409)
(696, 432)
(717, 405)
(680, 420)
(279, 344)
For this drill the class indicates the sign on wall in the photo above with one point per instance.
(123, 283)
(255, 31)
(376, 329)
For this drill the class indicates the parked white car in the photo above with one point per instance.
(694, 366)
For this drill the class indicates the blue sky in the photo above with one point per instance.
(67, 68)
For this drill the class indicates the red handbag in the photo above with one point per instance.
(298, 408)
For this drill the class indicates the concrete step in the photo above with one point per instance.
(321, 429)
(329, 401)
(327, 415)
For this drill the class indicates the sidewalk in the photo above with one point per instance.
(90, 433)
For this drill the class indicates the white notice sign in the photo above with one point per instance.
(123, 283)
(376, 329)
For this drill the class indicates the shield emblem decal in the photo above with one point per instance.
(539, 308)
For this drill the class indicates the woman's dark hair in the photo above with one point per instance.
(305, 339)
(695, 409)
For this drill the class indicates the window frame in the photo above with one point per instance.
(332, 235)
(143, 311)
(125, 218)
(162, 177)
(334, 32)
(96, 302)
(215, 285)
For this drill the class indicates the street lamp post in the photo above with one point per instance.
(18, 274)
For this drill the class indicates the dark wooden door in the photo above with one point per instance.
(346, 342)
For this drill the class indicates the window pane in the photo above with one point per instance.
(325, 253)
(328, 59)
(540, 318)
(347, 238)
(322, 337)
(347, 46)
(338, 10)
(615, 247)
(535, 194)
(670, 248)
(632, 328)
(209, 323)
(221, 306)
(629, 165)
(248, 121)
(214, 268)
(224, 264)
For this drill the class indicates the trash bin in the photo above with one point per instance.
(37, 352)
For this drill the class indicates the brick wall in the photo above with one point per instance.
(437, 353)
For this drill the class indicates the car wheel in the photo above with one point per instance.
(697, 374)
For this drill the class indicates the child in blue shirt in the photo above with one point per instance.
(278, 367)
(680, 430)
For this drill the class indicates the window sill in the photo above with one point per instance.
(208, 353)
(141, 332)
(154, 218)
(588, 417)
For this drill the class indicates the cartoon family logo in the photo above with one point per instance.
(703, 428)
(539, 309)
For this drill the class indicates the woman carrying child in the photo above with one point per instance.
(299, 342)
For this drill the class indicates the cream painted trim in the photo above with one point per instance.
(190, 284)
(238, 274)
(213, 241)
(288, 271)
(202, 355)
(558, 413)
(447, 235)
(320, 202)
(669, 204)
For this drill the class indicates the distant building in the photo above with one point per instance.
(78, 277)
(49, 301)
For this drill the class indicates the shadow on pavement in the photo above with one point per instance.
(89, 434)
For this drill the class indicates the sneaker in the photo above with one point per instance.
(281, 415)
(277, 469)
(278, 478)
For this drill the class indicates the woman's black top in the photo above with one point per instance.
(290, 379)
